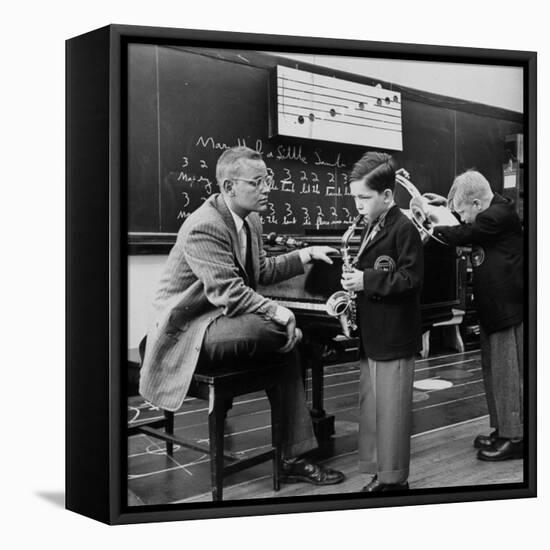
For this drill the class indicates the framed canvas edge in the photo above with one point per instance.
(119, 512)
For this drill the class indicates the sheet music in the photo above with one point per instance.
(332, 109)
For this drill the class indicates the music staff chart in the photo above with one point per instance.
(319, 107)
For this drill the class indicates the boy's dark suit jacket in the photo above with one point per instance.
(497, 260)
(389, 307)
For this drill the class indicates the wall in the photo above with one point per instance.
(143, 275)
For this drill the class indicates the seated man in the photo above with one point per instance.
(207, 313)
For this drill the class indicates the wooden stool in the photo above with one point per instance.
(217, 388)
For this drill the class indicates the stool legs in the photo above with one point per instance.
(276, 403)
(216, 417)
(425, 345)
(169, 428)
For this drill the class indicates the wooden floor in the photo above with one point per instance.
(444, 424)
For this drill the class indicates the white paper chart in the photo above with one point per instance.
(324, 108)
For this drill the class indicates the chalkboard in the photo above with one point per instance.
(186, 106)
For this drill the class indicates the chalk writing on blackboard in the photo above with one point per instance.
(309, 186)
(289, 217)
(307, 218)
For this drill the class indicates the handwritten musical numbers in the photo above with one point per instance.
(347, 214)
(332, 190)
(345, 185)
(315, 183)
(307, 218)
(182, 214)
(287, 185)
(314, 177)
(271, 217)
(274, 186)
(319, 220)
(288, 218)
(335, 220)
(306, 186)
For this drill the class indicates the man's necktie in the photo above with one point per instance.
(248, 262)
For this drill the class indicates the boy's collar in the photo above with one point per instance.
(381, 220)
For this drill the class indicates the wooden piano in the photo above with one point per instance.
(306, 295)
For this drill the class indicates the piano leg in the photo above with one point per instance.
(323, 424)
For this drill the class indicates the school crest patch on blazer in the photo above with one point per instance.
(478, 256)
(384, 263)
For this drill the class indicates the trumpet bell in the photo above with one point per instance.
(419, 206)
(424, 215)
(418, 209)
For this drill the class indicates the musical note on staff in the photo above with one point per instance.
(319, 107)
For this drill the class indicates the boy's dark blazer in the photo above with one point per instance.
(497, 259)
(388, 309)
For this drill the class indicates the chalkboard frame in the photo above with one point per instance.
(97, 250)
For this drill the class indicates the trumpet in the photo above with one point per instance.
(423, 214)
(342, 303)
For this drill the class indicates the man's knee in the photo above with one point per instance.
(270, 335)
(248, 335)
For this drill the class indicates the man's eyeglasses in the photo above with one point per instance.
(267, 180)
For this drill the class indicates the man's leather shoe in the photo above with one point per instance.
(376, 487)
(502, 449)
(296, 470)
(483, 441)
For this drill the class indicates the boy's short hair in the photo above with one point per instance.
(377, 169)
(229, 162)
(468, 186)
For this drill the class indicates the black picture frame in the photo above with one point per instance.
(96, 255)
